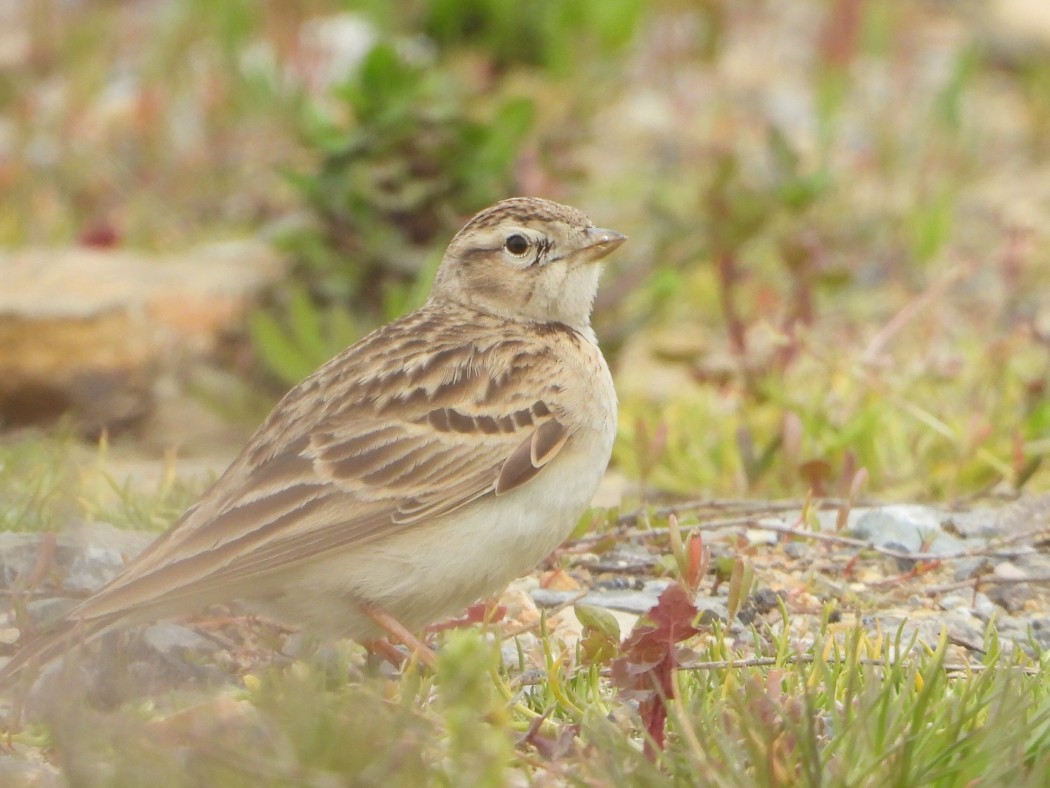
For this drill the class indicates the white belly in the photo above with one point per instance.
(435, 570)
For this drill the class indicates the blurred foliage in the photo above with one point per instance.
(48, 482)
(837, 260)
(553, 34)
(836, 288)
(393, 174)
(413, 146)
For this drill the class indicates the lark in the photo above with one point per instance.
(423, 468)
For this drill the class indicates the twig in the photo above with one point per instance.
(820, 536)
(985, 550)
(987, 580)
(752, 508)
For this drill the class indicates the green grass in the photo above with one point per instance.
(851, 709)
(48, 482)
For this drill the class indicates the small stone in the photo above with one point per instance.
(630, 601)
(546, 597)
(761, 536)
(167, 638)
(963, 625)
(1008, 571)
(954, 602)
(764, 600)
(711, 609)
(797, 550)
(900, 563)
(619, 583)
(912, 527)
(625, 558)
(969, 568)
(977, 523)
(1010, 597)
(983, 607)
(1034, 564)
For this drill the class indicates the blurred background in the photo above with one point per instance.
(837, 279)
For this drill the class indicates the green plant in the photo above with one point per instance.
(405, 157)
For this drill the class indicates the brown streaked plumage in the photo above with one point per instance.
(425, 466)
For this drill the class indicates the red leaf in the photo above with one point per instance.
(645, 669)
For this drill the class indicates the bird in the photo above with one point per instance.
(422, 468)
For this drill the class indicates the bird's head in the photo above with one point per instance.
(526, 259)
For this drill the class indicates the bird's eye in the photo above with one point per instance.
(516, 244)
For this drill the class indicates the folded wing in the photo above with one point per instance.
(451, 433)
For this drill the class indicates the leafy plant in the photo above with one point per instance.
(645, 670)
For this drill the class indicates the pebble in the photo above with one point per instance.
(912, 527)
(627, 558)
(797, 550)
(1011, 598)
(631, 601)
(1008, 571)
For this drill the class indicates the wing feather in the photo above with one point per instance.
(413, 433)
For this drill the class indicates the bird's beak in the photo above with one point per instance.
(600, 242)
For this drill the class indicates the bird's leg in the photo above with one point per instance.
(398, 632)
(383, 649)
(488, 612)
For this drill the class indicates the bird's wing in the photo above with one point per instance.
(391, 447)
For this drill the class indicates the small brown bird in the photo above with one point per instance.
(424, 467)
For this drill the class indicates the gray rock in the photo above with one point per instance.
(18, 554)
(916, 528)
(978, 604)
(983, 607)
(89, 330)
(86, 556)
(42, 611)
(1009, 571)
(797, 550)
(168, 639)
(711, 608)
(954, 602)
(1030, 514)
(1034, 564)
(624, 558)
(122, 665)
(1011, 597)
(980, 523)
(1040, 632)
(630, 601)
(964, 626)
